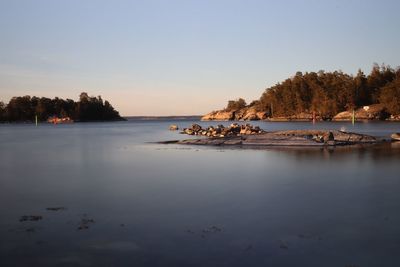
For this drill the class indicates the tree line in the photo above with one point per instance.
(88, 108)
(328, 93)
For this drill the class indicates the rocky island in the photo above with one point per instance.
(247, 135)
(58, 110)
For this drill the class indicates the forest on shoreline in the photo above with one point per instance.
(328, 93)
(88, 108)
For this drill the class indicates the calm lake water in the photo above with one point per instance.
(130, 202)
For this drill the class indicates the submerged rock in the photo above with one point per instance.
(85, 223)
(31, 218)
(56, 208)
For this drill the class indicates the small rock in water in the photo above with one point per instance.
(173, 127)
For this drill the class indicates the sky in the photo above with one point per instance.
(185, 57)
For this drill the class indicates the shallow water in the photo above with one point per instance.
(171, 205)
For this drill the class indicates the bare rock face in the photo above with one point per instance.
(250, 114)
(262, 115)
(219, 115)
(372, 112)
(245, 114)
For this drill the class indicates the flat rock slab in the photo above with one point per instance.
(286, 138)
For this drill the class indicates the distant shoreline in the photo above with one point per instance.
(166, 118)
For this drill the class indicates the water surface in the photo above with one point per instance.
(171, 205)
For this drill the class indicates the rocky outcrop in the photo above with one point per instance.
(245, 114)
(219, 115)
(372, 112)
(286, 138)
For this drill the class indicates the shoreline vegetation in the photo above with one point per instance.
(323, 96)
(57, 110)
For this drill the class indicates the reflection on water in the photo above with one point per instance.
(108, 196)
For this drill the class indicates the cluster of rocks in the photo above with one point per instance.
(221, 131)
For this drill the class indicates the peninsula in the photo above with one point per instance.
(321, 95)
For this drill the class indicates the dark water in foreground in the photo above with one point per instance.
(170, 205)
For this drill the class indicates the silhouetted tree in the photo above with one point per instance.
(235, 104)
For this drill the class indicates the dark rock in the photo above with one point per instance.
(196, 128)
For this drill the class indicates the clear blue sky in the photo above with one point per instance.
(185, 57)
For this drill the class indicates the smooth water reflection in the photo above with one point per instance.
(170, 205)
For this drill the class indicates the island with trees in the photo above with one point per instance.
(323, 96)
(87, 109)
